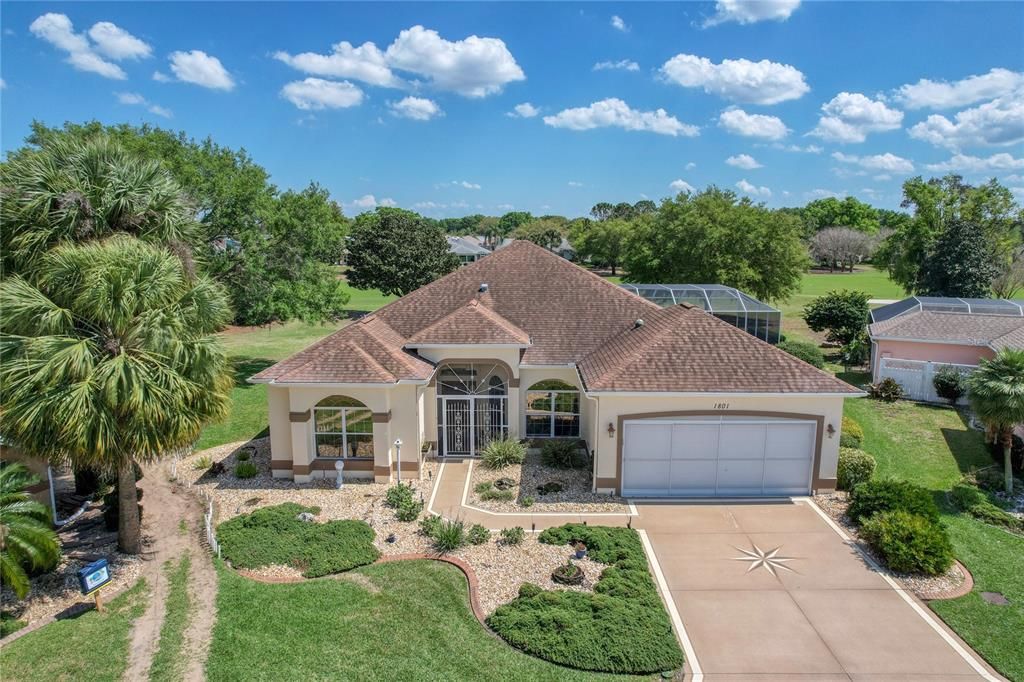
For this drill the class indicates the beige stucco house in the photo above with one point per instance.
(524, 344)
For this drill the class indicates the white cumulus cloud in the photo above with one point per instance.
(691, 165)
(317, 93)
(613, 112)
(108, 40)
(976, 164)
(888, 162)
(464, 184)
(739, 80)
(929, 94)
(416, 108)
(524, 110)
(365, 63)
(573, 183)
(992, 124)
(135, 99)
(201, 69)
(369, 202)
(681, 185)
(739, 122)
(753, 190)
(850, 116)
(621, 65)
(618, 24)
(751, 11)
(744, 161)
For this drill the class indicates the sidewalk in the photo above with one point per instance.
(449, 500)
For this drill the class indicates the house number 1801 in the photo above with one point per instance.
(721, 406)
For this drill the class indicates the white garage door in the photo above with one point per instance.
(717, 456)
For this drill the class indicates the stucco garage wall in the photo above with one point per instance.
(610, 408)
(928, 352)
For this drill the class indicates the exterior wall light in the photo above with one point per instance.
(611, 430)
(831, 430)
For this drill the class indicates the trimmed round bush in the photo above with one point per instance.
(950, 384)
(527, 590)
(852, 435)
(562, 454)
(398, 495)
(503, 452)
(804, 350)
(909, 543)
(274, 536)
(873, 497)
(855, 467)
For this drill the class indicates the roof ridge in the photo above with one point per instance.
(372, 360)
(637, 349)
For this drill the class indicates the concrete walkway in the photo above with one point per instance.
(766, 590)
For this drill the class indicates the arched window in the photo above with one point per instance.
(552, 410)
(342, 427)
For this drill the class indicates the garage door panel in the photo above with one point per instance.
(741, 441)
(648, 441)
(787, 476)
(647, 475)
(740, 475)
(694, 477)
(789, 441)
(694, 441)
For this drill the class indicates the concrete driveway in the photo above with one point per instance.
(772, 591)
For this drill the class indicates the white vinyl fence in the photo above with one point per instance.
(915, 376)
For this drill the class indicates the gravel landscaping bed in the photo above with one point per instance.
(924, 586)
(575, 496)
(501, 569)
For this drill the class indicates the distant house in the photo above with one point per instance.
(466, 248)
(913, 338)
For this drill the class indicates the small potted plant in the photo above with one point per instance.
(568, 574)
(581, 550)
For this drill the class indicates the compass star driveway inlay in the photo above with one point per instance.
(770, 591)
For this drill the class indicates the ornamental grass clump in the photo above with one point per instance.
(562, 454)
(448, 536)
(503, 452)
(595, 631)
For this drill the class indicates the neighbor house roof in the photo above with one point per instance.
(992, 331)
(560, 315)
(682, 349)
(462, 246)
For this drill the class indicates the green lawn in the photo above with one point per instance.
(931, 446)
(93, 646)
(366, 301)
(863, 278)
(418, 626)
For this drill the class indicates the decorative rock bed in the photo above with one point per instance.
(955, 582)
(575, 496)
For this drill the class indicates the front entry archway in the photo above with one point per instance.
(472, 407)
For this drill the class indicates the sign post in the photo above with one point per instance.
(92, 577)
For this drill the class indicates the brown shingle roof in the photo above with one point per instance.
(473, 321)
(682, 349)
(995, 331)
(568, 316)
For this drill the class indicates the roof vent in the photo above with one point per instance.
(483, 288)
(639, 323)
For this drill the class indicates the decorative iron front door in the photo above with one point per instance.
(458, 427)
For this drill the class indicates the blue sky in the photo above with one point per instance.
(462, 108)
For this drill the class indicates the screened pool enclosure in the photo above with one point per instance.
(935, 304)
(725, 303)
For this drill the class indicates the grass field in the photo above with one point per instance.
(416, 625)
(931, 446)
(92, 646)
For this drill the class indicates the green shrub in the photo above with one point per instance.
(909, 543)
(855, 467)
(477, 534)
(246, 470)
(503, 452)
(202, 463)
(975, 502)
(274, 536)
(526, 502)
(449, 536)
(513, 536)
(950, 384)
(409, 510)
(887, 390)
(562, 454)
(882, 496)
(852, 435)
(9, 624)
(429, 525)
(482, 487)
(598, 631)
(498, 495)
(805, 350)
(965, 496)
(243, 456)
(398, 494)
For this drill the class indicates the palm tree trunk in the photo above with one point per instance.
(129, 531)
(1007, 461)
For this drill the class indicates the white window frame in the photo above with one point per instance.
(344, 433)
(552, 413)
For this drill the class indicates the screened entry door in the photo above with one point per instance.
(468, 424)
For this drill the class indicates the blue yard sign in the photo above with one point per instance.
(93, 576)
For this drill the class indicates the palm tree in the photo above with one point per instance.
(108, 357)
(996, 393)
(26, 539)
(72, 191)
